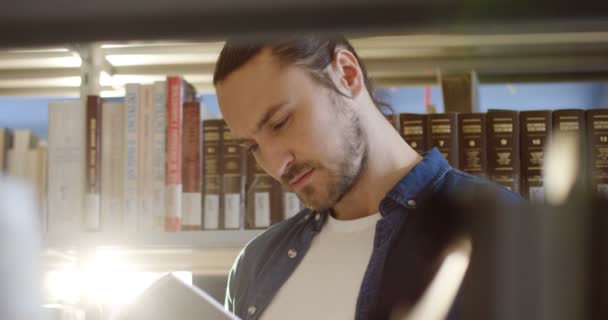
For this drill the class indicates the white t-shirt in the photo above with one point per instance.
(326, 283)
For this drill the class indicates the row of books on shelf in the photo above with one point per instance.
(508, 146)
(151, 162)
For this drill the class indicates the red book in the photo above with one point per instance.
(174, 154)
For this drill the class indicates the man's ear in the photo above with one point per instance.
(346, 73)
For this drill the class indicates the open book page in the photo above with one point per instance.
(171, 298)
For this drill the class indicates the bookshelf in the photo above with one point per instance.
(153, 240)
(201, 252)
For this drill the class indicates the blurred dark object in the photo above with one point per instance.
(35, 22)
(542, 261)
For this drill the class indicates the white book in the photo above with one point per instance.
(159, 154)
(66, 166)
(145, 159)
(43, 150)
(112, 165)
(24, 139)
(129, 222)
(171, 298)
(16, 163)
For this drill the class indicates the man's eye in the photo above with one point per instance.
(280, 124)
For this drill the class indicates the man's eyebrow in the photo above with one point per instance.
(268, 115)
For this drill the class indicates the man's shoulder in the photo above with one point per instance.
(461, 182)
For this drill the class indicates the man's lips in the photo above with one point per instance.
(301, 180)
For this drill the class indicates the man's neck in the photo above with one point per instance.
(390, 158)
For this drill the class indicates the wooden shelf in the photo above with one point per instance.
(152, 240)
(202, 252)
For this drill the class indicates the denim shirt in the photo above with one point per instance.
(401, 236)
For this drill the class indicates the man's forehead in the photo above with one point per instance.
(246, 93)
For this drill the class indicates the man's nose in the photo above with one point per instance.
(277, 160)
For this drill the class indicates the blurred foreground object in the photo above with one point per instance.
(542, 262)
(19, 252)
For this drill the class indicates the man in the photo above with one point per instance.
(305, 108)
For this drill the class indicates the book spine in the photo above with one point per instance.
(232, 180)
(66, 166)
(443, 134)
(211, 173)
(191, 175)
(264, 203)
(569, 120)
(129, 222)
(597, 124)
(535, 128)
(112, 166)
(147, 213)
(92, 200)
(472, 143)
(503, 148)
(5, 144)
(174, 154)
(43, 187)
(159, 155)
(414, 130)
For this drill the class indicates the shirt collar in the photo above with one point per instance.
(410, 190)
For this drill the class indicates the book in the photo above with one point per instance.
(6, 142)
(112, 166)
(92, 201)
(264, 203)
(131, 145)
(171, 298)
(503, 148)
(173, 184)
(472, 143)
(535, 128)
(43, 150)
(66, 170)
(232, 162)
(212, 145)
(25, 160)
(159, 151)
(191, 174)
(443, 134)
(24, 139)
(597, 129)
(414, 130)
(569, 120)
(148, 216)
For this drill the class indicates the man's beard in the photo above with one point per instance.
(341, 175)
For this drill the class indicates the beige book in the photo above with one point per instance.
(66, 156)
(112, 166)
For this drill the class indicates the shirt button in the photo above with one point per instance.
(251, 310)
(411, 203)
(317, 217)
(292, 253)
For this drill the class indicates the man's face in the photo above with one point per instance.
(304, 135)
